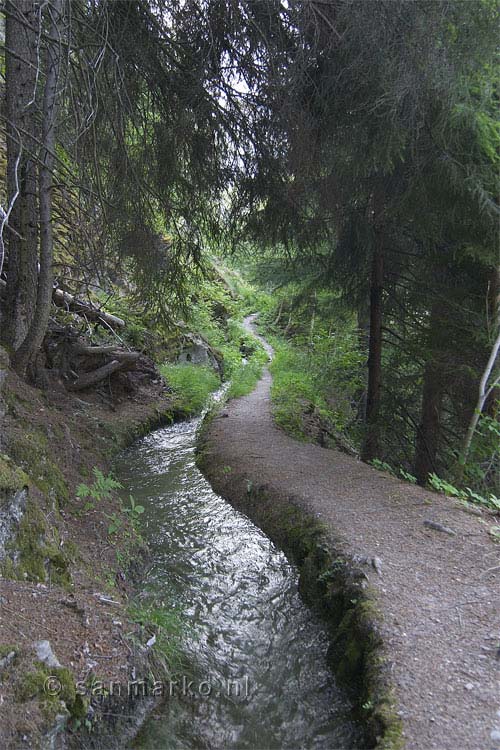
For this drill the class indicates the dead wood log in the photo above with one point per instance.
(88, 379)
(94, 351)
(122, 361)
(127, 359)
(113, 351)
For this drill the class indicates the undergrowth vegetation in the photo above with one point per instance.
(164, 628)
(246, 376)
(319, 379)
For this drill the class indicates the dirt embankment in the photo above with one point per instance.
(64, 578)
(407, 579)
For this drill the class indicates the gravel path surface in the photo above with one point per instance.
(439, 591)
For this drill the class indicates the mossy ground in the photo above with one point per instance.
(12, 477)
(36, 684)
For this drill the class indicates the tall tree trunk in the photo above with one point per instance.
(34, 338)
(371, 445)
(429, 430)
(363, 314)
(22, 235)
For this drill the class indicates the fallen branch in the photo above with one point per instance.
(72, 304)
(127, 359)
(123, 355)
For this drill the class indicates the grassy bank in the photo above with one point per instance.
(191, 385)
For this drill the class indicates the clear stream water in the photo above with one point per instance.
(247, 630)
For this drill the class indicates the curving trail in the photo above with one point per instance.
(439, 593)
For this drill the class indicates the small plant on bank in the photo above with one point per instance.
(134, 511)
(101, 489)
(442, 485)
(116, 522)
(400, 473)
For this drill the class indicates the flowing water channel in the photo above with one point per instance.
(258, 678)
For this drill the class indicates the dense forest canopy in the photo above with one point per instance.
(346, 151)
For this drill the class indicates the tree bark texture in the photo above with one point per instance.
(22, 236)
(34, 337)
(429, 430)
(371, 445)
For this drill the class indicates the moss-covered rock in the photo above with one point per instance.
(12, 477)
(7, 648)
(35, 552)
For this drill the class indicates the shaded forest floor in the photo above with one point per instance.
(433, 564)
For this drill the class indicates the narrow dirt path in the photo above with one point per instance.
(439, 592)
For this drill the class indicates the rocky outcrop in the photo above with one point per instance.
(197, 351)
(13, 496)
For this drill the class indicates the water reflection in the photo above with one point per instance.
(247, 621)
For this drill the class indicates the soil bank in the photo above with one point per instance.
(63, 577)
